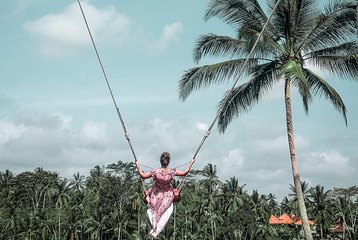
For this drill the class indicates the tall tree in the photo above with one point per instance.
(211, 180)
(234, 193)
(299, 36)
(346, 204)
(7, 206)
(61, 197)
(95, 222)
(321, 208)
(77, 185)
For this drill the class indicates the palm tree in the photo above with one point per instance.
(271, 203)
(212, 180)
(298, 35)
(305, 192)
(210, 208)
(287, 205)
(346, 209)
(77, 183)
(7, 208)
(234, 193)
(322, 209)
(9, 220)
(5, 179)
(95, 180)
(62, 196)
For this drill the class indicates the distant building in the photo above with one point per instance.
(338, 230)
(286, 219)
(291, 220)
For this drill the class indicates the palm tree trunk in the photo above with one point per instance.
(186, 225)
(175, 210)
(72, 235)
(294, 163)
(138, 221)
(119, 232)
(212, 228)
(59, 224)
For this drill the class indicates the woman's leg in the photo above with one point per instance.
(162, 221)
(150, 216)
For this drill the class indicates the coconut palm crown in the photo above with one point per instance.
(299, 39)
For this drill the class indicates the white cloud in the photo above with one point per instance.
(280, 143)
(329, 164)
(51, 141)
(168, 35)
(9, 130)
(234, 158)
(201, 126)
(55, 143)
(65, 33)
(169, 32)
(65, 120)
(95, 133)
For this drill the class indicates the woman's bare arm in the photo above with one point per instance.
(185, 172)
(141, 173)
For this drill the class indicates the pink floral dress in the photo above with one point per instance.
(160, 196)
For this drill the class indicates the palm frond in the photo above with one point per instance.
(336, 26)
(247, 18)
(254, 28)
(269, 71)
(219, 46)
(279, 19)
(305, 14)
(267, 46)
(243, 97)
(236, 13)
(341, 60)
(239, 100)
(206, 75)
(321, 88)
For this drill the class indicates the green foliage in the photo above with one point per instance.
(108, 205)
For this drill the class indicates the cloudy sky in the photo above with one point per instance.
(56, 111)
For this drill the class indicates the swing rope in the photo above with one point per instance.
(226, 99)
(109, 86)
(207, 133)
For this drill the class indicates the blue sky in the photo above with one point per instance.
(56, 111)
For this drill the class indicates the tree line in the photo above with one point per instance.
(108, 205)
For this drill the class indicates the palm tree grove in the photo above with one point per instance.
(108, 204)
(286, 43)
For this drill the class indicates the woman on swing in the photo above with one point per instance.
(160, 196)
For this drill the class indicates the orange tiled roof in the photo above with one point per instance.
(285, 219)
(274, 220)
